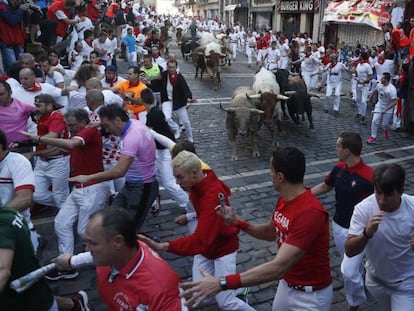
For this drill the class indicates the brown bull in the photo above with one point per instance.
(243, 119)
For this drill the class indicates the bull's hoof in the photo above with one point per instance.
(234, 158)
(256, 153)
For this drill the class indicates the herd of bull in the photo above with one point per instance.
(265, 102)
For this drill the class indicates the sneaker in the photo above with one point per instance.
(357, 117)
(387, 133)
(371, 140)
(362, 121)
(336, 113)
(325, 110)
(80, 299)
(244, 294)
(354, 308)
(56, 275)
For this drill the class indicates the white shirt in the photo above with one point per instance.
(273, 55)
(107, 46)
(335, 73)
(385, 95)
(387, 66)
(363, 70)
(310, 64)
(56, 78)
(390, 258)
(15, 171)
(111, 98)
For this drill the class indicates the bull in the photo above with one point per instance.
(199, 61)
(243, 119)
(188, 44)
(299, 101)
(267, 98)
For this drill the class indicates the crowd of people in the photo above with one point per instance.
(67, 103)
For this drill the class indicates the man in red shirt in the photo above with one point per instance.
(130, 275)
(85, 147)
(60, 11)
(213, 243)
(52, 165)
(300, 226)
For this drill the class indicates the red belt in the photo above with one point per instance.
(305, 288)
(85, 184)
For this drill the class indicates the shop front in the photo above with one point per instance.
(262, 12)
(298, 16)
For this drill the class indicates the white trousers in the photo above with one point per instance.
(351, 268)
(336, 90)
(34, 236)
(283, 62)
(287, 298)
(261, 54)
(233, 48)
(396, 120)
(376, 120)
(182, 116)
(132, 58)
(166, 178)
(311, 79)
(79, 205)
(250, 52)
(353, 88)
(225, 265)
(391, 297)
(55, 173)
(361, 98)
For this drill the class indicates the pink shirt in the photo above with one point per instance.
(13, 119)
(137, 142)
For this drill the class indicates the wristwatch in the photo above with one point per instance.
(223, 283)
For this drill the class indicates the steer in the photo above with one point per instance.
(213, 54)
(243, 119)
(299, 101)
(199, 61)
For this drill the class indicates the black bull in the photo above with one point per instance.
(299, 101)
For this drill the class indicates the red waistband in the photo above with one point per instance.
(86, 184)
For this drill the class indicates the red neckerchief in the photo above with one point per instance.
(35, 88)
(99, 63)
(89, 42)
(363, 61)
(4, 77)
(331, 65)
(381, 61)
(173, 79)
(307, 55)
(55, 63)
(111, 83)
(131, 84)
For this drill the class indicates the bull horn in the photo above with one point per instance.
(282, 97)
(256, 110)
(230, 109)
(289, 93)
(253, 96)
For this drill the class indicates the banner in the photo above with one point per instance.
(374, 13)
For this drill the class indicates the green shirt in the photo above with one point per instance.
(15, 235)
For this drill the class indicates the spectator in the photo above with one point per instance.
(129, 41)
(13, 31)
(60, 11)
(111, 77)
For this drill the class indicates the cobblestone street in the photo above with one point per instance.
(249, 177)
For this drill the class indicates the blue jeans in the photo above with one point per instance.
(10, 55)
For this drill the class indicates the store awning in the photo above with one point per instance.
(231, 7)
(373, 13)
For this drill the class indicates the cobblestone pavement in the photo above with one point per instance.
(249, 178)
